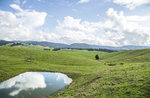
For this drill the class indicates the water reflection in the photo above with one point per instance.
(34, 85)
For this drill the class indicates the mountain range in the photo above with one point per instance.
(76, 45)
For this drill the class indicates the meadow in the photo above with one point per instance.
(129, 77)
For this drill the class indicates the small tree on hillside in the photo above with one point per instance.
(97, 57)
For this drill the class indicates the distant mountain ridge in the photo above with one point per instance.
(127, 47)
(76, 45)
(44, 43)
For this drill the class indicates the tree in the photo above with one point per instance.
(97, 57)
(56, 49)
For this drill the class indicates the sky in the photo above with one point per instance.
(99, 22)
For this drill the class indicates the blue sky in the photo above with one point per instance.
(101, 22)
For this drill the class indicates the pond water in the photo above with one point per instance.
(34, 85)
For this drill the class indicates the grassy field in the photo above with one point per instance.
(130, 77)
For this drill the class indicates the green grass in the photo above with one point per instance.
(91, 78)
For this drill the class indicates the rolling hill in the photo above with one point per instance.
(128, 77)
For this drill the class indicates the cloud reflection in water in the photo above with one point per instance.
(34, 80)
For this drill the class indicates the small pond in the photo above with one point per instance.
(34, 85)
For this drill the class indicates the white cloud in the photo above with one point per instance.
(16, 7)
(131, 4)
(120, 31)
(70, 23)
(137, 18)
(29, 18)
(84, 1)
(32, 18)
(21, 25)
(74, 30)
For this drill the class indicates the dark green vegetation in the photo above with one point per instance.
(128, 77)
(3, 42)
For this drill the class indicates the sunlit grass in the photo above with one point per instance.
(91, 78)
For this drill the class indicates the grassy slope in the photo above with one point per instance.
(90, 77)
(128, 80)
(13, 60)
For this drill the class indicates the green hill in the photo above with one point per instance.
(129, 77)
(141, 55)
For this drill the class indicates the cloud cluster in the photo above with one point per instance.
(20, 25)
(115, 30)
(120, 31)
(131, 4)
(74, 30)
